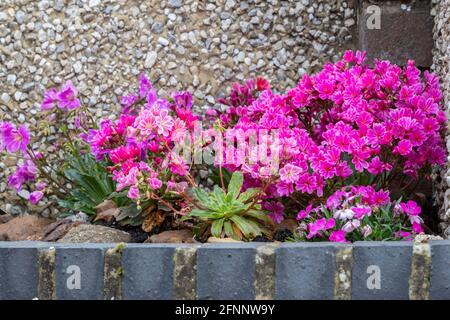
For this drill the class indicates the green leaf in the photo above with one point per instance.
(235, 185)
(203, 214)
(245, 227)
(229, 232)
(201, 195)
(260, 215)
(249, 194)
(216, 228)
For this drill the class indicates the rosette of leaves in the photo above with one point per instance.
(233, 214)
(91, 184)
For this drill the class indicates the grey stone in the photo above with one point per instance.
(226, 271)
(440, 270)
(305, 271)
(89, 233)
(19, 270)
(390, 260)
(148, 272)
(175, 3)
(150, 59)
(83, 261)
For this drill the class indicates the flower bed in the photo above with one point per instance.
(342, 153)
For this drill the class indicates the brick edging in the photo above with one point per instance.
(363, 270)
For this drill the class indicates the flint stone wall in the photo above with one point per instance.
(201, 46)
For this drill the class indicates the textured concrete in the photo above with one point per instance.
(226, 271)
(305, 271)
(381, 270)
(148, 271)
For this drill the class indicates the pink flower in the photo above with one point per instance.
(144, 86)
(50, 99)
(290, 173)
(36, 196)
(133, 193)
(366, 231)
(304, 213)
(349, 226)
(337, 236)
(155, 183)
(276, 211)
(320, 225)
(404, 147)
(24, 173)
(67, 97)
(417, 228)
(16, 139)
(410, 208)
(361, 211)
(164, 123)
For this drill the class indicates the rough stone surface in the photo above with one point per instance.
(405, 31)
(185, 275)
(389, 262)
(85, 263)
(23, 228)
(441, 64)
(148, 272)
(305, 271)
(88, 233)
(192, 45)
(174, 236)
(440, 271)
(226, 271)
(18, 271)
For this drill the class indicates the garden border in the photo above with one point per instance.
(262, 271)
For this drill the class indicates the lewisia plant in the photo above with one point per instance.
(349, 125)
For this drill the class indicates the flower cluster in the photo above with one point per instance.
(140, 143)
(65, 99)
(349, 124)
(360, 213)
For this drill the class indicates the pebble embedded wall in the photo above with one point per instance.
(441, 65)
(201, 46)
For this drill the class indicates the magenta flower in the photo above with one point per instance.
(16, 139)
(133, 193)
(276, 211)
(36, 196)
(404, 147)
(50, 99)
(337, 236)
(67, 97)
(164, 123)
(24, 173)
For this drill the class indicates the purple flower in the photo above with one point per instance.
(16, 139)
(67, 97)
(24, 173)
(182, 99)
(36, 196)
(144, 85)
(50, 99)
(5, 129)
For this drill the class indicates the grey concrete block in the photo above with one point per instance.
(79, 271)
(19, 274)
(226, 271)
(305, 271)
(440, 270)
(148, 271)
(381, 270)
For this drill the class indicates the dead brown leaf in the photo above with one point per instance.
(152, 220)
(106, 211)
